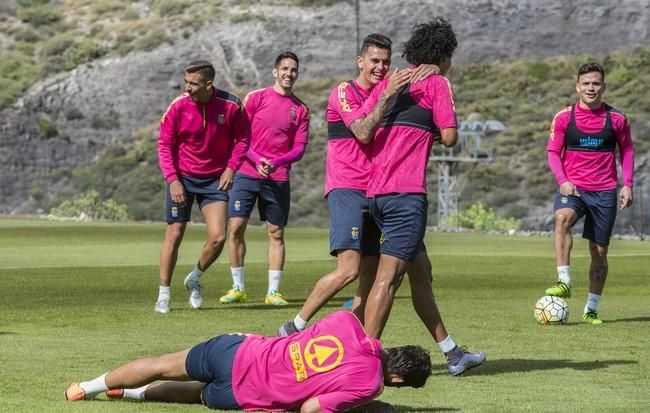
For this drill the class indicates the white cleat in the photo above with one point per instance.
(194, 286)
(162, 305)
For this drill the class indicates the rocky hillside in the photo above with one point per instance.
(64, 120)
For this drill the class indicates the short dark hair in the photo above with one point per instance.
(430, 42)
(378, 40)
(589, 68)
(411, 363)
(286, 55)
(203, 68)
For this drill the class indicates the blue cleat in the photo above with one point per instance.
(459, 360)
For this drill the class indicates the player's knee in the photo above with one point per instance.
(216, 241)
(563, 221)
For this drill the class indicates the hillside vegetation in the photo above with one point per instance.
(523, 94)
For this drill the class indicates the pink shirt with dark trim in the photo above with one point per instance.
(334, 360)
(401, 146)
(201, 139)
(590, 171)
(279, 131)
(347, 164)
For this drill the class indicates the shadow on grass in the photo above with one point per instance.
(402, 408)
(492, 367)
(627, 320)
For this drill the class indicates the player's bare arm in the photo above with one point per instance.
(364, 128)
(449, 137)
(311, 406)
(177, 192)
(625, 197)
(567, 188)
(424, 71)
(225, 182)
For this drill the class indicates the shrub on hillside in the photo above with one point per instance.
(90, 205)
(482, 218)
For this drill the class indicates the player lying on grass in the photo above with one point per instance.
(332, 366)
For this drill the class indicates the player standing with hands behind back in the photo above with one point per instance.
(582, 156)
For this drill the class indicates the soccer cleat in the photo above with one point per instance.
(193, 284)
(275, 298)
(162, 305)
(560, 289)
(115, 394)
(288, 329)
(591, 317)
(233, 296)
(459, 360)
(74, 393)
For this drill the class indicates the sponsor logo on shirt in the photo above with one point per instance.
(355, 233)
(321, 354)
(590, 142)
(343, 101)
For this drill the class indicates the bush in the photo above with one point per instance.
(170, 7)
(39, 16)
(482, 218)
(90, 204)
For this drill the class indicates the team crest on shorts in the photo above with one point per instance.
(221, 119)
(382, 239)
(237, 205)
(355, 233)
(564, 200)
(174, 212)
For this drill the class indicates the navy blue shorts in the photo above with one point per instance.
(211, 362)
(351, 226)
(273, 204)
(402, 219)
(599, 210)
(205, 190)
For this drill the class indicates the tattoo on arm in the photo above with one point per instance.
(364, 128)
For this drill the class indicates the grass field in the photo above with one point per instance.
(77, 299)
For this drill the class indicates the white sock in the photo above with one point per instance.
(94, 386)
(592, 302)
(300, 323)
(275, 276)
(447, 345)
(564, 274)
(136, 394)
(238, 277)
(164, 292)
(196, 272)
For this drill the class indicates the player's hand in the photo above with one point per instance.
(568, 189)
(625, 198)
(397, 79)
(225, 182)
(424, 71)
(177, 192)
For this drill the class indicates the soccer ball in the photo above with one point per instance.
(551, 310)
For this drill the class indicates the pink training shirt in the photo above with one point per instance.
(279, 131)
(402, 143)
(334, 360)
(590, 170)
(347, 164)
(201, 139)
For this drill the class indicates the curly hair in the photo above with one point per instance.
(411, 363)
(430, 42)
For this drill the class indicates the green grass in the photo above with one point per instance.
(77, 299)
